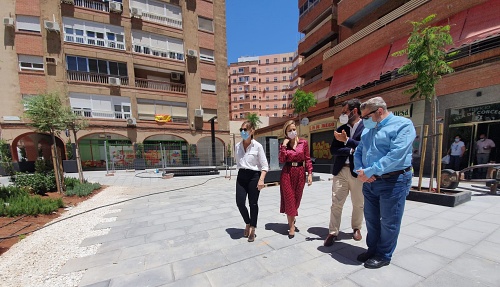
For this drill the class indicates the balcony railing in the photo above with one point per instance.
(94, 78)
(94, 5)
(148, 16)
(94, 42)
(159, 52)
(100, 114)
(158, 85)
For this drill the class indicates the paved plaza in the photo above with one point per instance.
(176, 235)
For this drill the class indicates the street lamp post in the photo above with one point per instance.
(212, 130)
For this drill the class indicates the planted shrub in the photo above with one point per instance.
(11, 191)
(30, 205)
(38, 183)
(83, 189)
(71, 182)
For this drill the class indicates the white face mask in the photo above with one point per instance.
(292, 134)
(343, 119)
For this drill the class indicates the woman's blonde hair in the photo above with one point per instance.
(287, 124)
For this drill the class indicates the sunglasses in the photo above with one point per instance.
(367, 116)
(245, 129)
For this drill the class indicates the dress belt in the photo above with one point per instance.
(393, 173)
(293, 163)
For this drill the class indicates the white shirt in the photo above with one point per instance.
(485, 146)
(456, 148)
(352, 130)
(253, 158)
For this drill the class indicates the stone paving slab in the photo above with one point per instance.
(192, 236)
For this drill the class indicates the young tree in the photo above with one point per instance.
(47, 115)
(75, 123)
(254, 119)
(427, 61)
(302, 101)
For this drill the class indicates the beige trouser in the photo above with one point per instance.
(342, 183)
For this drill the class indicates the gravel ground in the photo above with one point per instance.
(36, 260)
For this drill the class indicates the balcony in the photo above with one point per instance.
(87, 113)
(315, 14)
(86, 77)
(148, 16)
(94, 5)
(159, 85)
(94, 42)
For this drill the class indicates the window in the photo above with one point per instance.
(234, 72)
(275, 79)
(235, 99)
(26, 98)
(267, 61)
(30, 63)
(147, 109)
(284, 106)
(275, 88)
(254, 88)
(254, 97)
(234, 81)
(275, 114)
(275, 97)
(234, 90)
(284, 69)
(254, 107)
(157, 11)
(267, 88)
(158, 45)
(275, 106)
(82, 64)
(267, 80)
(95, 34)
(241, 70)
(267, 108)
(97, 106)
(290, 59)
(241, 106)
(28, 23)
(254, 70)
(205, 24)
(276, 60)
(207, 85)
(254, 79)
(207, 55)
(235, 107)
(284, 97)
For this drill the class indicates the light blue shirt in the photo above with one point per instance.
(385, 148)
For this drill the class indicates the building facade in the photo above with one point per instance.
(263, 85)
(149, 72)
(348, 47)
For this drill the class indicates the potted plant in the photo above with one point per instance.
(70, 164)
(139, 161)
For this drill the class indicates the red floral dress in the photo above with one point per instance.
(293, 178)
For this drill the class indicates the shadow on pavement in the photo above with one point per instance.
(280, 228)
(349, 252)
(235, 233)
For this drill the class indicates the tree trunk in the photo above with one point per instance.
(78, 162)
(55, 162)
(433, 136)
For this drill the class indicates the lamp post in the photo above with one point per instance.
(212, 130)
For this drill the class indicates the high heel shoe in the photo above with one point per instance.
(246, 232)
(252, 235)
(290, 236)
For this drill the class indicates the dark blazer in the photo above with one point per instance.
(341, 151)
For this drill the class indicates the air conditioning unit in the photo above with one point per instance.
(7, 21)
(115, 7)
(131, 122)
(175, 76)
(50, 61)
(136, 12)
(198, 113)
(192, 53)
(114, 81)
(71, 2)
(51, 26)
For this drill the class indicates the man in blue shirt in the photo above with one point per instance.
(383, 163)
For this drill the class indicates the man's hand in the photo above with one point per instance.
(341, 137)
(362, 176)
(285, 142)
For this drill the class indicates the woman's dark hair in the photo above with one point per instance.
(250, 125)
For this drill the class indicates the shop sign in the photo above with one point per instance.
(475, 114)
(403, 111)
(322, 126)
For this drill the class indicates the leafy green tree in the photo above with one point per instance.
(75, 123)
(254, 119)
(427, 61)
(302, 102)
(47, 115)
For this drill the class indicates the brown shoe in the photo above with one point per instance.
(356, 235)
(329, 240)
(246, 231)
(252, 235)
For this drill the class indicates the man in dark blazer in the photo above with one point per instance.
(346, 140)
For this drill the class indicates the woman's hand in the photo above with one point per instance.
(260, 184)
(285, 142)
(309, 179)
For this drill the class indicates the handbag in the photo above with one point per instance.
(446, 159)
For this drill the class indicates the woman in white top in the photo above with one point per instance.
(456, 152)
(252, 168)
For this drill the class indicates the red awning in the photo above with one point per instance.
(392, 62)
(360, 72)
(482, 21)
(456, 23)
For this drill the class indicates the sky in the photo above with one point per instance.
(261, 27)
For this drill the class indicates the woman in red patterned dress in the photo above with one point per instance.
(294, 153)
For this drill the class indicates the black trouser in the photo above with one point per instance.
(246, 184)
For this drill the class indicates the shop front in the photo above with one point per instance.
(321, 136)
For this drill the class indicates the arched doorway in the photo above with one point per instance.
(95, 149)
(166, 150)
(204, 151)
(29, 147)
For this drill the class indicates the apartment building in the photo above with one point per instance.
(141, 71)
(347, 48)
(263, 85)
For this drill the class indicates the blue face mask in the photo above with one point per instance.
(369, 123)
(245, 135)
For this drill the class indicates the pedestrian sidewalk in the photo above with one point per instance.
(193, 237)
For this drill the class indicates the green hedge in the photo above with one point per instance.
(29, 205)
(38, 183)
(82, 189)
